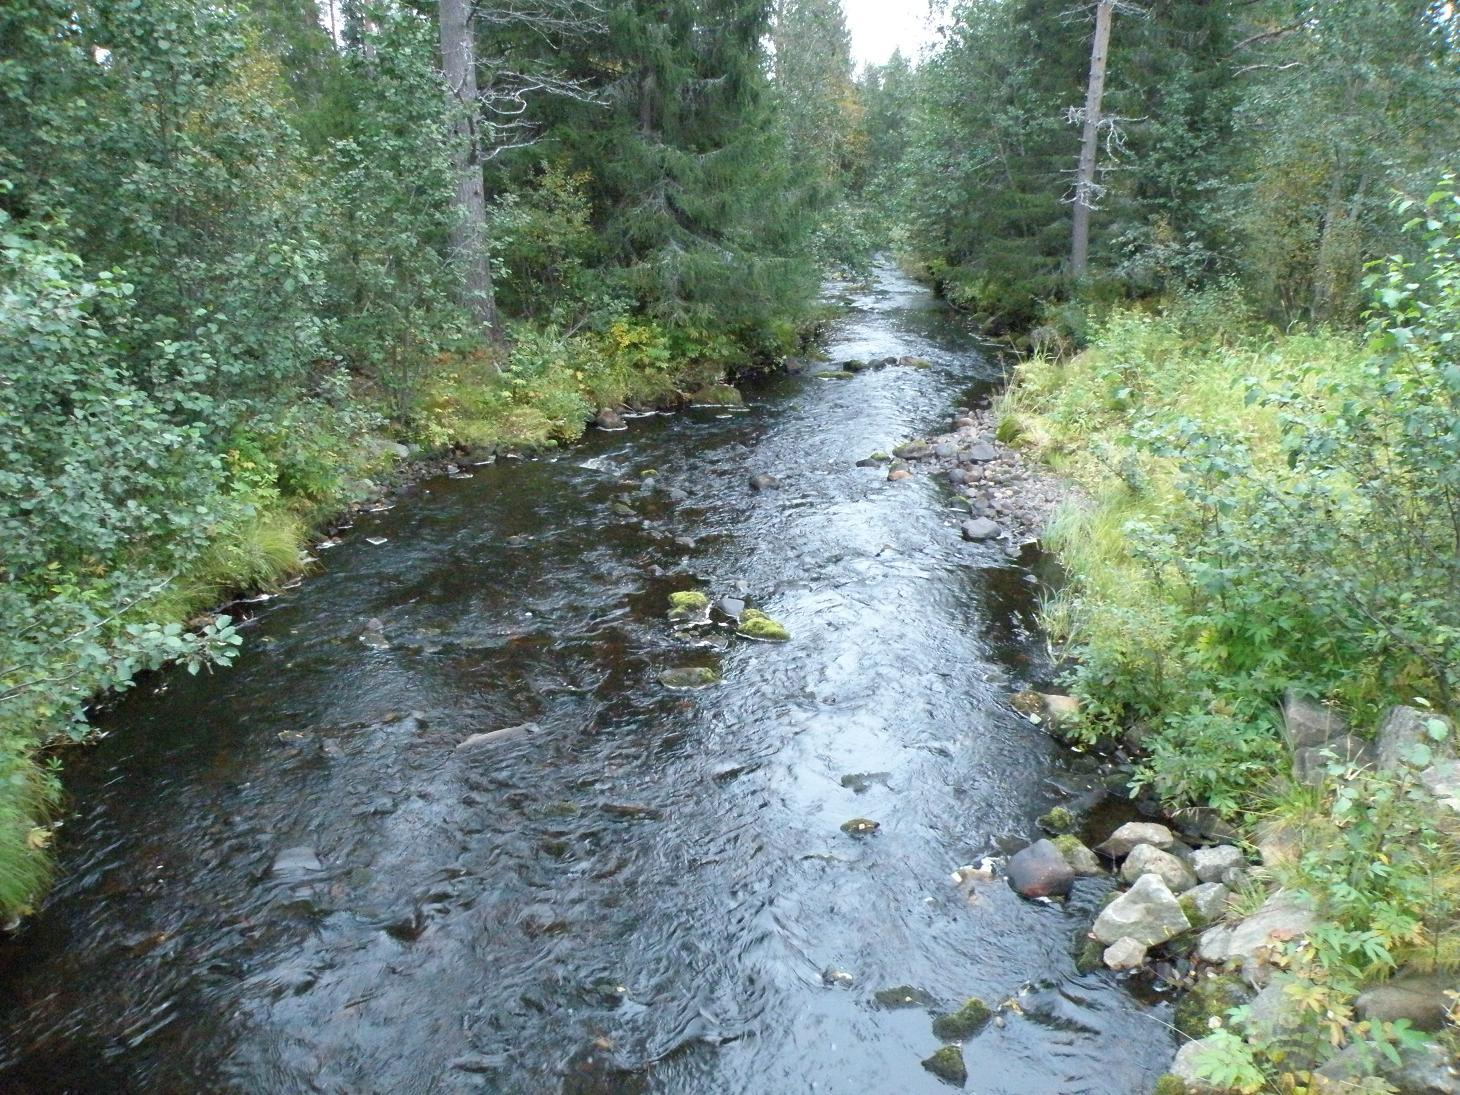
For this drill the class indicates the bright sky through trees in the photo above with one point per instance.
(881, 26)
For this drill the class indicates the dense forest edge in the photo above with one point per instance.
(258, 260)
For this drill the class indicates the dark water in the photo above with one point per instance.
(645, 895)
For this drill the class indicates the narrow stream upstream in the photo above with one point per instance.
(645, 894)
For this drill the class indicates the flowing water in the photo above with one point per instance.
(286, 878)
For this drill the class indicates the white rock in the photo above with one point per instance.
(1125, 954)
(1128, 836)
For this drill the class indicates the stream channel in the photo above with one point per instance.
(284, 877)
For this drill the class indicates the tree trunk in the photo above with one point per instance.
(1090, 143)
(468, 240)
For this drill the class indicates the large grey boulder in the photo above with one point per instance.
(1211, 863)
(1125, 839)
(1443, 781)
(1420, 998)
(1148, 913)
(1145, 859)
(1405, 733)
(1281, 919)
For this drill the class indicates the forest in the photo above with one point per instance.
(261, 259)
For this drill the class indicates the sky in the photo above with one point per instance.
(880, 26)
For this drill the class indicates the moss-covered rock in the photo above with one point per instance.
(1213, 995)
(693, 676)
(881, 457)
(1089, 953)
(1170, 1085)
(688, 603)
(963, 1023)
(902, 996)
(1081, 859)
(947, 1064)
(1059, 822)
(836, 374)
(717, 395)
(860, 826)
(755, 624)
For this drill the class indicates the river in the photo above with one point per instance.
(285, 877)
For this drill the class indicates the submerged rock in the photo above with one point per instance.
(947, 1064)
(964, 1023)
(1041, 870)
(688, 604)
(694, 676)
(294, 863)
(498, 737)
(764, 482)
(755, 624)
(903, 996)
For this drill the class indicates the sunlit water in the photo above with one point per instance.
(646, 894)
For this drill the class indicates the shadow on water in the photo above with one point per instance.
(286, 877)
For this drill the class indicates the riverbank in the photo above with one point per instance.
(289, 484)
(1225, 627)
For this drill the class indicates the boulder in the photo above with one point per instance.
(609, 419)
(1205, 904)
(1148, 913)
(1081, 859)
(1422, 1070)
(1145, 859)
(694, 676)
(1125, 954)
(1281, 919)
(1420, 998)
(1311, 762)
(1443, 781)
(860, 826)
(913, 450)
(296, 863)
(499, 737)
(1040, 870)
(1060, 708)
(1210, 864)
(1121, 842)
(1058, 822)
(947, 1064)
(982, 453)
(1306, 723)
(981, 528)
(1405, 739)
(897, 475)
(764, 482)
(964, 1023)
(1187, 1067)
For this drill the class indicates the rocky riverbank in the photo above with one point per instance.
(1011, 498)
